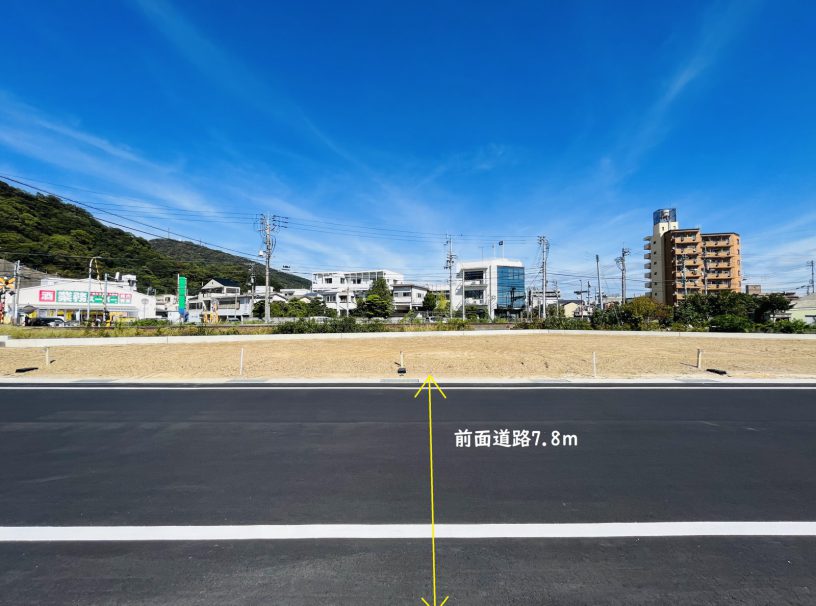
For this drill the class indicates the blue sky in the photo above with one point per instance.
(491, 120)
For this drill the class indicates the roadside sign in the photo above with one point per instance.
(182, 294)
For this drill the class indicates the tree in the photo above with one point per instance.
(693, 310)
(430, 302)
(768, 305)
(555, 311)
(375, 306)
(641, 312)
(441, 303)
(317, 307)
(379, 301)
(728, 303)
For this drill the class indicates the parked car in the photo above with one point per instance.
(52, 322)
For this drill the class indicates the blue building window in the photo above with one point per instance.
(510, 288)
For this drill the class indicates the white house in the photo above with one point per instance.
(408, 297)
(222, 297)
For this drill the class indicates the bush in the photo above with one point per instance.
(555, 323)
(797, 327)
(731, 323)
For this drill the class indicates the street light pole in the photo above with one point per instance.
(90, 269)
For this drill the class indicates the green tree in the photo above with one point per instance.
(770, 304)
(430, 302)
(441, 303)
(729, 303)
(644, 312)
(555, 311)
(316, 307)
(694, 310)
(374, 306)
(379, 301)
(380, 288)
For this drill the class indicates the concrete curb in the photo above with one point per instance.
(410, 382)
(114, 341)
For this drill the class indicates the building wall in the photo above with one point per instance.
(490, 285)
(358, 281)
(723, 258)
(681, 262)
(711, 263)
(408, 297)
(804, 309)
(663, 221)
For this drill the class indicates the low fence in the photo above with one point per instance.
(497, 330)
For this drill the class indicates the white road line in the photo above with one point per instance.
(386, 386)
(403, 531)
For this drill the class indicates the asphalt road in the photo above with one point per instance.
(237, 456)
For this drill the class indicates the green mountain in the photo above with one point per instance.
(229, 264)
(50, 235)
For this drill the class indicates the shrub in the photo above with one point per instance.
(731, 323)
(787, 327)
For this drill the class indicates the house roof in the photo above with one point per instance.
(226, 282)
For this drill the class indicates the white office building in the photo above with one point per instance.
(495, 286)
(341, 289)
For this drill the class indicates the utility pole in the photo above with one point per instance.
(705, 269)
(16, 299)
(544, 243)
(812, 289)
(449, 262)
(267, 225)
(105, 301)
(598, 271)
(621, 263)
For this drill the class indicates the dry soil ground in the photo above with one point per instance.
(518, 356)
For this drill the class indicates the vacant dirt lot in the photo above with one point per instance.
(517, 356)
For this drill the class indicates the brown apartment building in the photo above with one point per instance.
(682, 262)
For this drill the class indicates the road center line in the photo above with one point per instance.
(403, 531)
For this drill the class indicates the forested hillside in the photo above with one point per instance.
(50, 235)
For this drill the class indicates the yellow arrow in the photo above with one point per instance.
(430, 383)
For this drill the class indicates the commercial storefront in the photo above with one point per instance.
(74, 300)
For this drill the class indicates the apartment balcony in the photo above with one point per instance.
(475, 282)
(647, 266)
(648, 255)
(647, 238)
(647, 275)
(647, 247)
(471, 301)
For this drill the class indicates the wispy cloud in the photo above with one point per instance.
(721, 25)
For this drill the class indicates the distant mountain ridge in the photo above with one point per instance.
(189, 251)
(50, 235)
